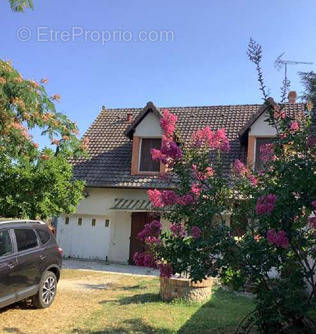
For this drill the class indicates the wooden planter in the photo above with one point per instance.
(172, 288)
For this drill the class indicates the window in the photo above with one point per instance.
(5, 243)
(67, 220)
(79, 221)
(25, 239)
(44, 236)
(93, 221)
(107, 222)
(146, 163)
(259, 154)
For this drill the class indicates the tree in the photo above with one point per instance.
(309, 81)
(20, 5)
(34, 182)
(276, 254)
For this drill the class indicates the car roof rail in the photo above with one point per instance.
(26, 221)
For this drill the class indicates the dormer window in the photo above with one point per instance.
(146, 163)
(261, 142)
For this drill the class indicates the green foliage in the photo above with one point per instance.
(39, 190)
(20, 5)
(34, 182)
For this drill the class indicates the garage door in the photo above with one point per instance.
(84, 237)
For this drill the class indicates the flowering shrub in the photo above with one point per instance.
(35, 182)
(275, 207)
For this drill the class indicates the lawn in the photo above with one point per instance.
(133, 306)
(95, 303)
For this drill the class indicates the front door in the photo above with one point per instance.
(139, 219)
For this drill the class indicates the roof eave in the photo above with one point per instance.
(249, 124)
(150, 107)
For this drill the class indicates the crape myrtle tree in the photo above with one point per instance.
(34, 182)
(276, 207)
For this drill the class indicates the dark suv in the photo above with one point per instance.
(30, 263)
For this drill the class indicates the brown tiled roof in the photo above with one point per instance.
(110, 149)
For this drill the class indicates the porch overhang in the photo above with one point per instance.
(132, 205)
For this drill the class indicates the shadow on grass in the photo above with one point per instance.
(220, 315)
(128, 326)
(23, 305)
(136, 299)
(105, 286)
(12, 330)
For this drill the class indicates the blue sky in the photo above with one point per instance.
(205, 62)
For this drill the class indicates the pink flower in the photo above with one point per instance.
(155, 154)
(278, 238)
(166, 269)
(168, 197)
(185, 200)
(206, 136)
(168, 123)
(311, 142)
(138, 259)
(312, 222)
(267, 152)
(196, 232)
(239, 168)
(283, 135)
(152, 240)
(278, 113)
(314, 204)
(271, 236)
(178, 230)
(196, 189)
(144, 260)
(209, 172)
(149, 261)
(168, 153)
(253, 180)
(169, 149)
(282, 240)
(265, 204)
(294, 126)
(155, 198)
(150, 230)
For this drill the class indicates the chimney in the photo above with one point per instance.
(103, 108)
(292, 96)
(129, 117)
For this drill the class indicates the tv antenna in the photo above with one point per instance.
(279, 62)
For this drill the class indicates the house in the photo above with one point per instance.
(119, 171)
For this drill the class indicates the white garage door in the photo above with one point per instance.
(84, 237)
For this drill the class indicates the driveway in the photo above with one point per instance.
(80, 293)
(109, 268)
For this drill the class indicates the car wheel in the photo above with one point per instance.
(47, 291)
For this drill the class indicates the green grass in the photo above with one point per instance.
(134, 306)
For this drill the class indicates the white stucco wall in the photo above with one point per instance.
(261, 128)
(149, 127)
(97, 205)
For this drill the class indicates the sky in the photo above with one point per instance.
(120, 53)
